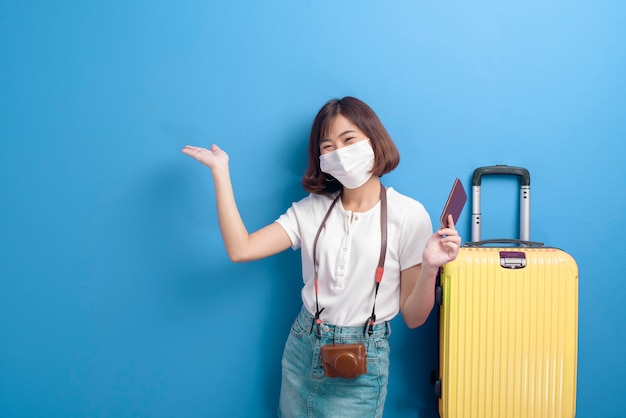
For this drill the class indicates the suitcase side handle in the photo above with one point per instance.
(524, 178)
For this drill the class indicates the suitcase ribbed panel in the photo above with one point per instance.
(509, 336)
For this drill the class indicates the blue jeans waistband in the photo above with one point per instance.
(342, 334)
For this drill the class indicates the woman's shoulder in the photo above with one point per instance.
(402, 200)
(411, 213)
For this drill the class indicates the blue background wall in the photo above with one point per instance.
(116, 296)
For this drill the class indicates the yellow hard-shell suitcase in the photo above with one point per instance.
(508, 323)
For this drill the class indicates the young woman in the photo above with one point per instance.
(368, 252)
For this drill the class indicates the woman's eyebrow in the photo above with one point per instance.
(349, 131)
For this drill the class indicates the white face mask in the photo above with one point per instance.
(351, 165)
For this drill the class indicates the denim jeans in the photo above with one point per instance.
(307, 392)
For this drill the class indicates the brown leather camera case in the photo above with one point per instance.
(344, 360)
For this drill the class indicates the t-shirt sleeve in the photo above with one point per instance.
(291, 220)
(416, 230)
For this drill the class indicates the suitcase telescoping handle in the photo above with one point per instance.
(524, 227)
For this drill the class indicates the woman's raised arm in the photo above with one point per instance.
(240, 245)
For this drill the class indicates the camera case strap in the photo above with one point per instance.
(368, 328)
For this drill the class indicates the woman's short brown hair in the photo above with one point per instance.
(386, 156)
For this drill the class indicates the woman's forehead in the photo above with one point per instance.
(338, 126)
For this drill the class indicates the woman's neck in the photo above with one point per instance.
(362, 198)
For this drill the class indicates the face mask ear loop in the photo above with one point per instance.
(316, 320)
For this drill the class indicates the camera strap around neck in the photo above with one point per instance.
(369, 324)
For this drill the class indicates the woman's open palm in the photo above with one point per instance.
(213, 158)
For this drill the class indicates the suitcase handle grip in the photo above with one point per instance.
(519, 242)
(523, 173)
(524, 179)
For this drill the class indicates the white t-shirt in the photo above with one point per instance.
(348, 252)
